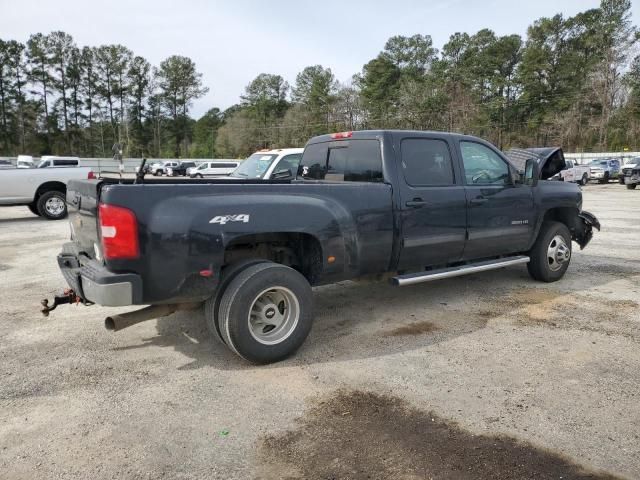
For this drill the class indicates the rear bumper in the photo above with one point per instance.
(94, 283)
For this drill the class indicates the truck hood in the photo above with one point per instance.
(550, 160)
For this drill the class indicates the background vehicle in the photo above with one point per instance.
(159, 168)
(426, 205)
(268, 164)
(50, 161)
(43, 190)
(25, 161)
(580, 174)
(631, 173)
(6, 164)
(181, 169)
(604, 170)
(209, 169)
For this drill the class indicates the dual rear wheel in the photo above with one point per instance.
(261, 310)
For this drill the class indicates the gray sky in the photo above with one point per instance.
(233, 41)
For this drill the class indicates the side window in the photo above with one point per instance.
(482, 166)
(337, 164)
(289, 162)
(426, 162)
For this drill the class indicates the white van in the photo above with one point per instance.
(51, 161)
(208, 169)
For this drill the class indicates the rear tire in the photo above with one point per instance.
(551, 252)
(266, 312)
(631, 186)
(212, 305)
(52, 205)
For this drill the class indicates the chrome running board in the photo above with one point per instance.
(419, 277)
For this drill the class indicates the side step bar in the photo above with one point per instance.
(419, 277)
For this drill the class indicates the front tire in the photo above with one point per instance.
(584, 180)
(631, 186)
(551, 253)
(52, 205)
(266, 312)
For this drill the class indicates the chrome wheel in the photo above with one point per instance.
(273, 315)
(54, 206)
(558, 253)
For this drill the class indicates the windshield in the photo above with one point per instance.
(43, 164)
(597, 163)
(203, 166)
(255, 166)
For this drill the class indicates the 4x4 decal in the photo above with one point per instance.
(223, 219)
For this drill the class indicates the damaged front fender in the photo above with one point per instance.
(583, 231)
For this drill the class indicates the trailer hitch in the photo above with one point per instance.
(68, 296)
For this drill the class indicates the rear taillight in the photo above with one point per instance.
(119, 232)
(91, 175)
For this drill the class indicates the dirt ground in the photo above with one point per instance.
(486, 376)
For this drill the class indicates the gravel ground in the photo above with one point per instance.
(486, 376)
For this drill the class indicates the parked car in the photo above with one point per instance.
(181, 169)
(25, 161)
(604, 170)
(6, 164)
(42, 190)
(580, 174)
(631, 173)
(267, 164)
(212, 169)
(52, 161)
(160, 168)
(425, 205)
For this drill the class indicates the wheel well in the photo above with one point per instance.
(49, 186)
(301, 251)
(566, 215)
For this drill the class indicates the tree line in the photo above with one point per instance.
(572, 81)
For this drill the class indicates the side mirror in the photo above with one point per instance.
(282, 174)
(531, 172)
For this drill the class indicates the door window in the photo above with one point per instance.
(426, 162)
(483, 166)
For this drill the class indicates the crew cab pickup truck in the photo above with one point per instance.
(42, 190)
(423, 205)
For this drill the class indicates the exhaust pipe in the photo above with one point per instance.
(115, 323)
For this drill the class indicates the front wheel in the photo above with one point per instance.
(265, 312)
(551, 253)
(52, 205)
(584, 180)
(631, 186)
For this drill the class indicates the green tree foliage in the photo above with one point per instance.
(572, 81)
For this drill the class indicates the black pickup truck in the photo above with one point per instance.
(423, 205)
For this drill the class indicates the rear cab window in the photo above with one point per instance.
(354, 160)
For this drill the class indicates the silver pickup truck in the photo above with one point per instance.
(42, 190)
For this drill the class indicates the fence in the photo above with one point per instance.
(583, 158)
(130, 164)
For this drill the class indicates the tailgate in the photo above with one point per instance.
(82, 204)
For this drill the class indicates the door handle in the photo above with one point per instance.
(416, 202)
(478, 201)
